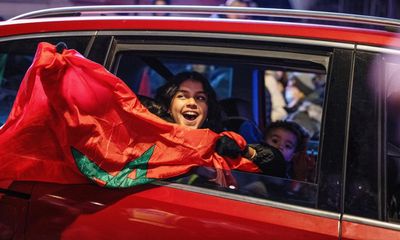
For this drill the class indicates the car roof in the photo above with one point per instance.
(346, 28)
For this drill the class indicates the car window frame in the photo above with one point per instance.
(302, 47)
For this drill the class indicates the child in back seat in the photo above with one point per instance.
(291, 140)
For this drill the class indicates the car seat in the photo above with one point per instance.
(238, 119)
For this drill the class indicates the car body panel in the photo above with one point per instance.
(13, 208)
(358, 231)
(160, 212)
(328, 33)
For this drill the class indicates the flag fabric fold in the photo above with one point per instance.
(72, 120)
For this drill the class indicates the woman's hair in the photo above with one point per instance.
(154, 107)
(301, 135)
(166, 93)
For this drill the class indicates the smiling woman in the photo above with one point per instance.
(191, 101)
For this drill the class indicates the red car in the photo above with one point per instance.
(350, 188)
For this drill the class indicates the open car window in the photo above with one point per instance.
(247, 94)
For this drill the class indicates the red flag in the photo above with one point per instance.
(71, 116)
(144, 88)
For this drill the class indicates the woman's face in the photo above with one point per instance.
(189, 105)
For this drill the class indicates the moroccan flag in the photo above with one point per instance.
(73, 120)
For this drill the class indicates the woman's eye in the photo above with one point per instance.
(181, 96)
(202, 98)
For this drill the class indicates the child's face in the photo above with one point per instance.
(283, 140)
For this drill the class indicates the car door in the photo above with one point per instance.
(179, 209)
(371, 189)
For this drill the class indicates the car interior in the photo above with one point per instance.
(240, 86)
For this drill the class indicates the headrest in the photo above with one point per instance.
(235, 107)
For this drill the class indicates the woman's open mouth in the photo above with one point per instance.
(190, 115)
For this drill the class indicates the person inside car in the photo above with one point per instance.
(291, 139)
(191, 101)
(302, 107)
(275, 84)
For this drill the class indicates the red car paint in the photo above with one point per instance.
(327, 33)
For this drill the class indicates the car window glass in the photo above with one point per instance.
(258, 185)
(12, 70)
(392, 70)
(373, 179)
(363, 151)
(15, 59)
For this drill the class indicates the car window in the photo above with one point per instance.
(373, 164)
(362, 176)
(15, 58)
(12, 70)
(392, 97)
(249, 91)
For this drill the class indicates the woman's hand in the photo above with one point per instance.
(227, 147)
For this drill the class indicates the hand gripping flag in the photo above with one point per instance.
(73, 120)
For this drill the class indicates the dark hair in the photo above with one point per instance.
(301, 135)
(154, 107)
(166, 93)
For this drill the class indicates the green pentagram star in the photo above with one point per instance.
(121, 180)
